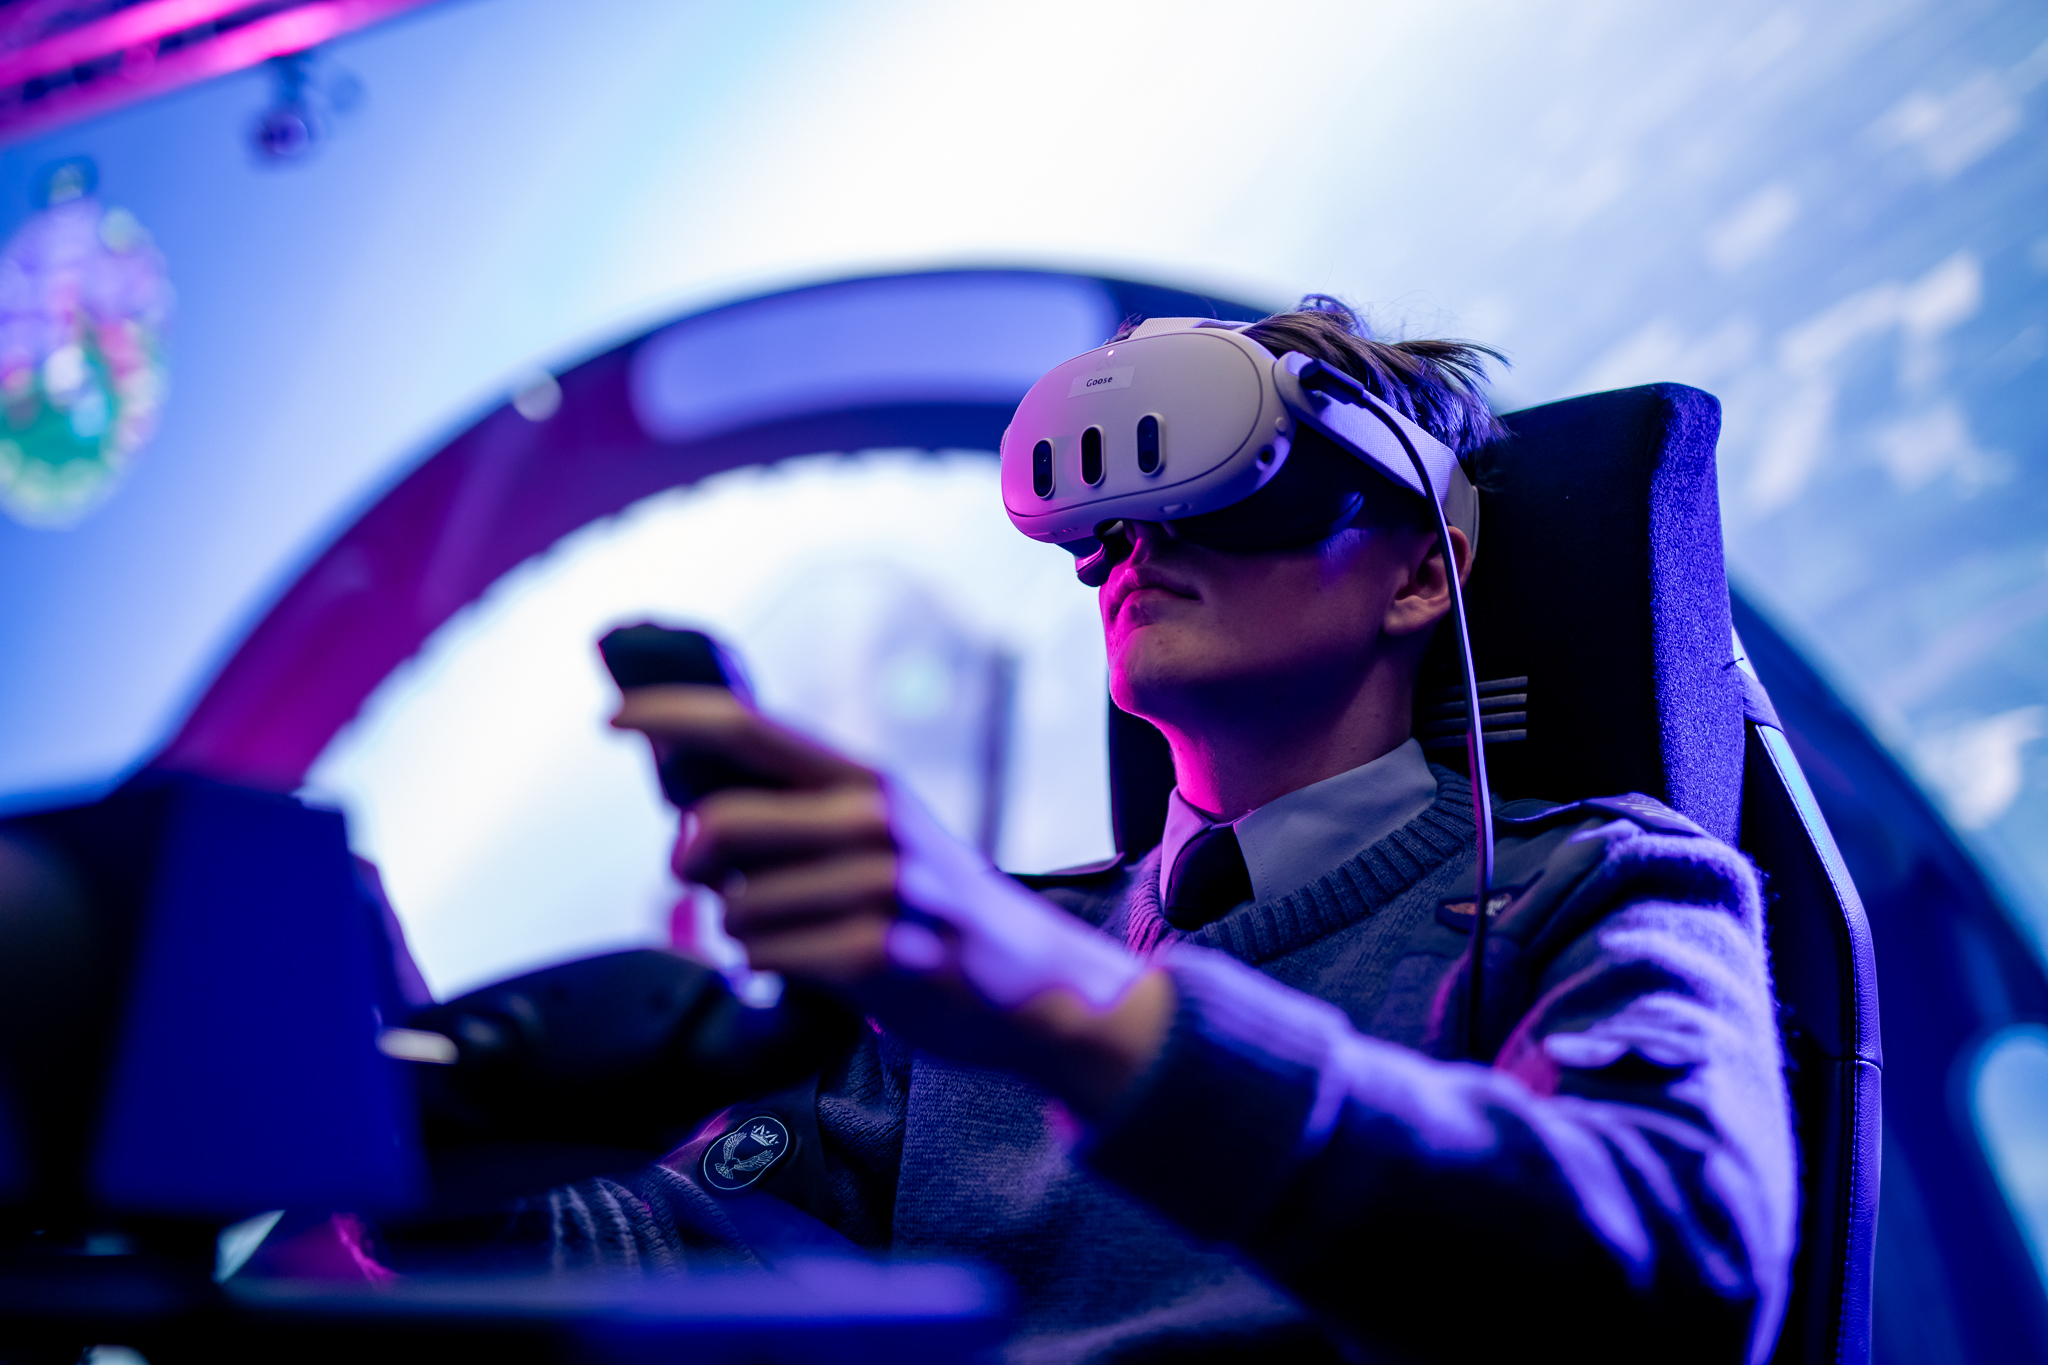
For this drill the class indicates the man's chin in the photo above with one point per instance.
(1165, 684)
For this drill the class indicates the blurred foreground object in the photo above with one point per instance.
(195, 985)
(215, 1053)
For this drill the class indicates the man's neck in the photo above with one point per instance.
(1239, 754)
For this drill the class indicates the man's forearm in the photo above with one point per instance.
(1444, 1207)
(1092, 1058)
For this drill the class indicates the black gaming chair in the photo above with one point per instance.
(1630, 679)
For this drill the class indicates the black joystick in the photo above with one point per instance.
(623, 1053)
(648, 655)
(601, 1063)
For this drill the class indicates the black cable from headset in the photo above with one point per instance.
(1475, 751)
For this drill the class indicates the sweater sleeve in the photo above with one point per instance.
(1617, 1182)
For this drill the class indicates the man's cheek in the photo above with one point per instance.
(1130, 664)
(1159, 655)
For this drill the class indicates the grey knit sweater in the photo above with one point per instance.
(1301, 1170)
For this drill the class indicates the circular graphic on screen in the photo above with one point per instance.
(83, 303)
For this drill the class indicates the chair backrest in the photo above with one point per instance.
(1602, 636)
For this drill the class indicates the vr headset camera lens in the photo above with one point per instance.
(1091, 456)
(1148, 444)
(1041, 469)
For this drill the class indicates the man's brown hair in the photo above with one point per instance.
(1436, 384)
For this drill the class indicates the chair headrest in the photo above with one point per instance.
(1600, 621)
(1600, 618)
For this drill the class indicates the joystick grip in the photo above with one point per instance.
(648, 655)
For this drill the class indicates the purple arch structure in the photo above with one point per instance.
(934, 361)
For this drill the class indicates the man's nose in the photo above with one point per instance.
(1149, 538)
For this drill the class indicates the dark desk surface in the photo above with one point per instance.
(841, 1310)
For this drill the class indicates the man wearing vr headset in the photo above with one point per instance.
(1227, 1099)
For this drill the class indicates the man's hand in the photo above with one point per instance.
(832, 874)
(805, 861)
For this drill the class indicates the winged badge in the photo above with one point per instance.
(727, 1168)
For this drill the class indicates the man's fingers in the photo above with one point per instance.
(847, 886)
(714, 721)
(739, 830)
(847, 952)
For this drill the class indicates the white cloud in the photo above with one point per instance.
(1945, 297)
(2030, 71)
(1796, 437)
(1821, 340)
(1918, 447)
(1720, 352)
(2011, 1101)
(1932, 439)
(1766, 43)
(1937, 303)
(1576, 201)
(1978, 769)
(1954, 131)
(1752, 227)
(1646, 355)
(1659, 352)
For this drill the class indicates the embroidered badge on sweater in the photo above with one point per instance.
(745, 1154)
(1458, 913)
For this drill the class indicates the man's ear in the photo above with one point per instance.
(1463, 549)
(1424, 595)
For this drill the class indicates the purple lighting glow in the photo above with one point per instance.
(152, 49)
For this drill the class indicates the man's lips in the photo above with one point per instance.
(1146, 580)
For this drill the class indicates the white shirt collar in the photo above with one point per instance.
(1294, 839)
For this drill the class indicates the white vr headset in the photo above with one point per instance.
(1186, 417)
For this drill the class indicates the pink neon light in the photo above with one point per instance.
(117, 32)
(274, 35)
